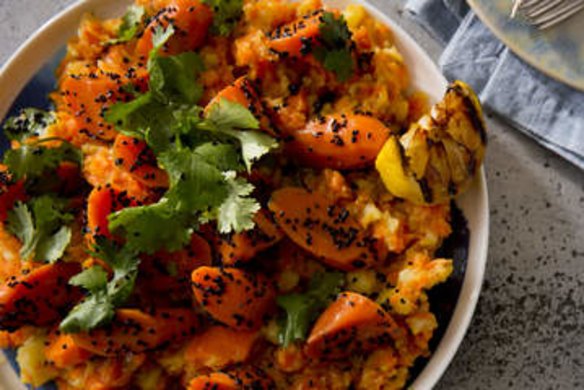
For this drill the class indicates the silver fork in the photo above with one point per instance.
(544, 14)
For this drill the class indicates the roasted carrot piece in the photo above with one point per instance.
(296, 39)
(177, 324)
(219, 346)
(87, 97)
(38, 296)
(191, 20)
(63, 352)
(213, 381)
(321, 227)
(252, 377)
(11, 191)
(239, 378)
(136, 331)
(351, 324)
(103, 201)
(244, 92)
(197, 254)
(242, 247)
(165, 277)
(134, 156)
(345, 141)
(237, 298)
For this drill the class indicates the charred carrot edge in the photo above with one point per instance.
(352, 322)
(324, 229)
(191, 20)
(296, 39)
(134, 156)
(346, 141)
(235, 297)
(38, 295)
(242, 247)
(133, 330)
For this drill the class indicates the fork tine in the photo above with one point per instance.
(516, 5)
(541, 8)
(558, 15)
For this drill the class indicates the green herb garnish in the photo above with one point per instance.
(104, 296)
(334, 51)
(226, 14)
(130, 26)
(201, 154)
(302, 309)
(41, 227)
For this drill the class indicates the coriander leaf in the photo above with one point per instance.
(174, 78)
(51, 247)
(21, 224)
(195, 185)
(159, 38)
(40, 226)
(224, 156)
(94, 311)
(30, 122)
(168, 109)
(334, 31)
(334, 51)
(340, 62)
(254, 145)
(133, 118)
(238, 209)
(91, 279)
(98, 307)
(226, 14)
(151, 228)
(32, 160)
(130, 24)
(230, 118)
(228, 115)
(302, 309)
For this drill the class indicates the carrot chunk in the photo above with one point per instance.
(219, 347)
(339, 141)
(191, 20)
(237, 298)
(213, 381)
(63, 352)
(296, 39)
(351, 324)
(324, 229)
(134, 156)
(103, 201)
(241, 247)
(133, 330)
(239, 378)
(165, 277)
(38, 296)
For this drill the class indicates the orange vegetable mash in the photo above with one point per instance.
(252, 308)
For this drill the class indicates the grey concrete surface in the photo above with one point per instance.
(528, 332)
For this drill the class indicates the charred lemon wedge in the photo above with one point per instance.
(440, 154)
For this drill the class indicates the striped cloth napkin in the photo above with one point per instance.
(548, 111)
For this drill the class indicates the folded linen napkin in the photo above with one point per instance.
(544, 109)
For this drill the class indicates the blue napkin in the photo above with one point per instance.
(544, 109)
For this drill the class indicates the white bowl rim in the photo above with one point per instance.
(53, 35)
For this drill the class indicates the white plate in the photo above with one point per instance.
(425, 76)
